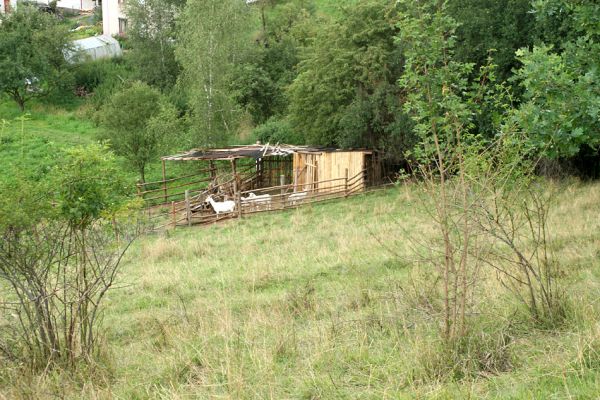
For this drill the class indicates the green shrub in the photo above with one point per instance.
(90, 75)
(277, 131)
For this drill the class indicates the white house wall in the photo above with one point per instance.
(77, 5)
(112, 10)
(80, 5)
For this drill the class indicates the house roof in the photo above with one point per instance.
(251, 151)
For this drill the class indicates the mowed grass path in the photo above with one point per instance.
(309, 304)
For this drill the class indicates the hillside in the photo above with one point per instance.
(31, 143)
(476, 274)
(325, 302)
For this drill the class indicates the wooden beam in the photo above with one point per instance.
(164, 176)
(236, 188)
(173, 214)
(346, 184)
(188, 208)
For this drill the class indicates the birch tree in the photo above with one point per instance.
(212, 34)
(152, 34)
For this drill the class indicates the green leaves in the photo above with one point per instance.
(32, 49)
(89, 184)
(437, 87)
(503, 25)
(152, 32)
(345, 93)
(212, 33)
(138, 120)
(561, 99)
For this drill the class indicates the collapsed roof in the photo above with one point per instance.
(250, 151)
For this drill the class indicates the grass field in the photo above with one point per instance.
(327, 302)
(33, 141)
(30, 142)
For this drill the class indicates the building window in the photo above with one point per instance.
(122, 26)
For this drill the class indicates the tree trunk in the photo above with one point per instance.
(20, 100)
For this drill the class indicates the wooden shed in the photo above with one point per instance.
(257, 178)
(319, 170)
(305, 167)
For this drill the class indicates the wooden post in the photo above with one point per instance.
(188, 208)
(282, 191)
(296, 176)
(316, 175)
(164, 175)
(213, 171)
(259, 166)
(236, 188)
(173, 215)
(346, 184)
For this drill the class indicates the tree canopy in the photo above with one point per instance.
(212, 34)
(137, 121)
(32, 54)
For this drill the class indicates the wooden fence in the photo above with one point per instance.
(194, 210)
(160, 193)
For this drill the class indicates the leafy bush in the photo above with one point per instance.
(138, 120)
(277, 131)
(90, 75)
(90, 184)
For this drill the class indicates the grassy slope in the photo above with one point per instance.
(307, 304)
(31, 146)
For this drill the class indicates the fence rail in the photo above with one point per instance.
(192, 208)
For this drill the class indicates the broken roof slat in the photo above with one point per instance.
(250, 151)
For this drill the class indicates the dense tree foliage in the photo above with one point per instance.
(560, 113)
(287, 72)
(212, 36)
(269, 67)
(152, 34)
(305, 77)
(503, 26)
(32, 54)
(138, 120)
(345, 93)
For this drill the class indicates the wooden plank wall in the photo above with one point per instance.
(306, 166)
(315, 168)
(272, 168)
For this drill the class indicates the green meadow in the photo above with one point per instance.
(330, 301)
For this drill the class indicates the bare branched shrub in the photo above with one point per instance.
(513, 214)
(53, 280)
(448, 201)
(442, 103)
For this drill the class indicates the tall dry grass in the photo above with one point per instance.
(328, 302)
